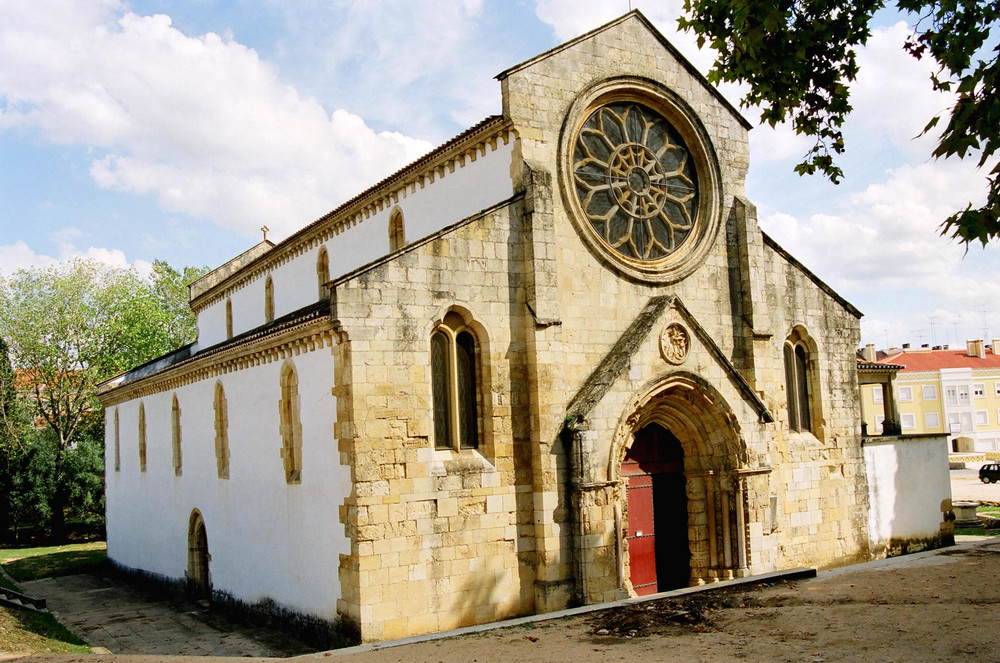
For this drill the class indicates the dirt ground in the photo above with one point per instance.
(937, 606)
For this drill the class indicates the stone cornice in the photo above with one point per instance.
(310, 335)
(458, 152)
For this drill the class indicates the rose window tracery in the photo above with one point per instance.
(635, 181)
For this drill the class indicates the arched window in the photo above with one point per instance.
(229, 318)
(142, 437)
(323, 272)
(221, 432)
(290, 424)
(268, 299)
(454, 382)
(797, 382)
(118, 453)
(397, 233)
(175, 435)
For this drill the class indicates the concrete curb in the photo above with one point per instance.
(790, 574)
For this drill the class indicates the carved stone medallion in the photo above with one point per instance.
(675, 343)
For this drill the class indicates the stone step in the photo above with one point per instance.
(14, 599)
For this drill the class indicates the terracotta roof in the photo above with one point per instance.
(932, 360)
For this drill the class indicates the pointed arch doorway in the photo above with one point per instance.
(199, 579)
(659, 553)
(681, 467)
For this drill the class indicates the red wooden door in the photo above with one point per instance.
(641, 535)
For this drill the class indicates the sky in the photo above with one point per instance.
(174, 130)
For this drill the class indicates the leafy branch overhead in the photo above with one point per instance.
(799, 58)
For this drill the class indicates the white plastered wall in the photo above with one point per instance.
(448, 199)
(266, 538)
(908, 485)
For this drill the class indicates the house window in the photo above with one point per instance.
(175, 435)
(118, 454)
(142, 437)
(323, 272)
(907, 421)
(290, 424)
(879, 419)
(454, 376)
(951, 395)
(797, 383)
(982, 417)
(268, 299)
(979, 391)
(954, 423)
(932, 420)
(229, 318)
(877, 393)
(905, 394)
(221, 432)
(397, 232)
(929, 392)
(963, 394)
(996, 386)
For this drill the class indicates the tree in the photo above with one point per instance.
(798, 56)
(11, 431)
(69, 327)
(170, 287)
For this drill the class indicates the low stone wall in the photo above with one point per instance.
(909, 493)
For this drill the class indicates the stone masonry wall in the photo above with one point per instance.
(440, 539)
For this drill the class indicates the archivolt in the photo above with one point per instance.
(695, 412)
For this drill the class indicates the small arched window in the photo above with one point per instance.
(142, 437)
(397, 232)
(221, 432)
(175, 435)
(454, 371)
(118, 453)
(290, 424)
(268, 299)
(797, 383)
(229, 318)
(323, 272)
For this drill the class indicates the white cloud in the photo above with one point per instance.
(21, 256)
(882, 249)
(400, 64)
(200, 122)
(892, 94)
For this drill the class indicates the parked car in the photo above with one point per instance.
(989, 473)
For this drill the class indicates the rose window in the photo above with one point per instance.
(635, 181)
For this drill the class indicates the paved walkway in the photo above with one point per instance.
(966, 486)
(125, 620)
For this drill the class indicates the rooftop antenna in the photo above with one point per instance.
(920, 335)
(264, 230)
(986, 327)
(933, 321)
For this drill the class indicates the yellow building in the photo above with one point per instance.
(954, 392)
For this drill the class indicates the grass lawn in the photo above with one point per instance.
(52, 561)
(25, 632)
(985, 509)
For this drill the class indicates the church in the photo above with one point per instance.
(553, 362)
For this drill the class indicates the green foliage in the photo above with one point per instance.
(170, 288)
(69, 327)
(799, 56)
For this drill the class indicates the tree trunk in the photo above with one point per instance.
(60, 497)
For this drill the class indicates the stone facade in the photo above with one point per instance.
(581, 356)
